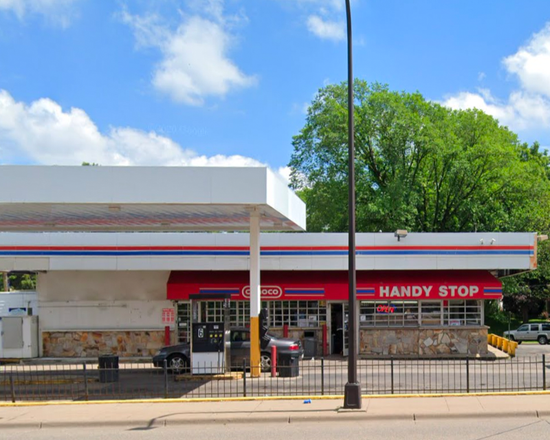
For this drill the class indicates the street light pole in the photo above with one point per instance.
(352, 390)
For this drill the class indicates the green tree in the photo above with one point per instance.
(528, 294)
(22, 281)
(419, 166)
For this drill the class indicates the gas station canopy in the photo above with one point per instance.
(96, 198)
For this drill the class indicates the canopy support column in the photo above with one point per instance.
(255, 296)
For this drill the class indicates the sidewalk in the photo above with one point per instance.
(146, 414)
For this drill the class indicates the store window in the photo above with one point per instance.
(463, 313)
(424, 313)
(292, 313)
(297, 313)
(430, 313)
(183, 321)
(389, 313)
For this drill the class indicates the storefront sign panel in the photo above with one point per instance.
(333, 286)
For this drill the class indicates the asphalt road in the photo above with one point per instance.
(532, 349)
(448, 429)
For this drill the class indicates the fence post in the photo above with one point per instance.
(244, 377)
(165, 368)
(86, 391)
(322, 376)
(544, 372)
(467, 374)
(12, 387)
(391, 370)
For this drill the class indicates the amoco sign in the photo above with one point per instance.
(268, 292)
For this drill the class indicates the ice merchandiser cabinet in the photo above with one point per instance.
(208, 346)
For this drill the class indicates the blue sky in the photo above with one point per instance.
(227, 82)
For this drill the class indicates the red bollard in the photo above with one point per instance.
(285, 331)
(167, 335)
(273, 361)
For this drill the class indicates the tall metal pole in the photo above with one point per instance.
(255, 297)
(352, 391)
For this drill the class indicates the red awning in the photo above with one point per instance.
(333, 285)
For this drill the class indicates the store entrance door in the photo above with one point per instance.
(339, 328)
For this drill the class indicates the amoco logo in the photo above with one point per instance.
(266, 292)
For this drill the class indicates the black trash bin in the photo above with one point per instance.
(108, 368)
(310, 348)
(289, 364)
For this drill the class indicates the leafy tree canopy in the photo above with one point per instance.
(419, 166)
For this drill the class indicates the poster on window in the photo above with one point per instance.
(168, 316)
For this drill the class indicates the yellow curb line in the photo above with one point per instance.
(273, 398)
(48, 382)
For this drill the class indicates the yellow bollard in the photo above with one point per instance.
(489, 338)
(494, 340)
(500, 341)
(505, 345)
(512, 348)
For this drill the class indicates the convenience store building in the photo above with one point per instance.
(125, 292)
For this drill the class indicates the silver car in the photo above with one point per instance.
(530, 332)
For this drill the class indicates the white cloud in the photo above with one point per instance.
(59, 12)
(528, 107)
(330, 30)
(42, 132)
(531, 63)
(195, 62)
(323, 18)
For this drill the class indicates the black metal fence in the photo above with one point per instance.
(80, 381)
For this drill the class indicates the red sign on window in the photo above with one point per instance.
(168, 316)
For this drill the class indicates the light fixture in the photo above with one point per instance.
(400, 233)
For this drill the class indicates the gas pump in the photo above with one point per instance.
(210, 340)
(208, 348)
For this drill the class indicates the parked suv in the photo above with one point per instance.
(178, 356)
(530, 332)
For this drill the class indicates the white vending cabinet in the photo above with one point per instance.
(18, 337)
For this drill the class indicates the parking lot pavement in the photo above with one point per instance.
(162, 413)
(532, 349)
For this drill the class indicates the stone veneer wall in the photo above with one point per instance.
(423, 341)
(131, 343)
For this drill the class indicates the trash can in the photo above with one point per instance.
(108, 368)
(289, 364)
(310, 347)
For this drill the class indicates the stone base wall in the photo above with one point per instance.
(133, 343)
(423, 341)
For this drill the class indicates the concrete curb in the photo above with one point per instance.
(332, 416)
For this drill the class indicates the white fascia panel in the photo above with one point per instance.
(239, 186)
(407, 263)
(83, 263)
(76, 184)
(296, 264)
(7, 264)
(31, 264)
(283, 200)
(489, 263)
(226, 263)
